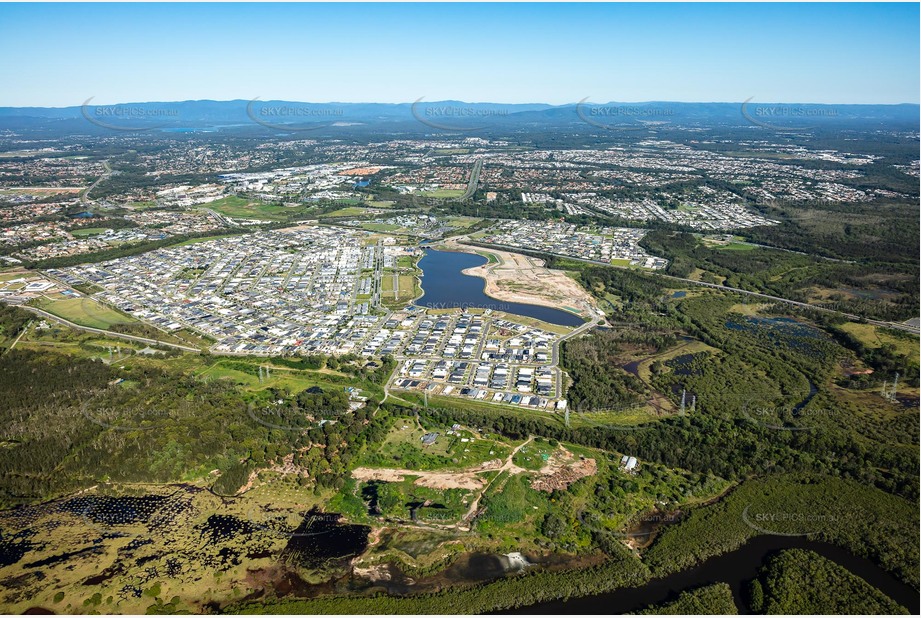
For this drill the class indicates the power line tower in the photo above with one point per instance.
(683, 396)
(890, 393)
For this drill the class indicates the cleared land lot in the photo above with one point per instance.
(408, 288)
(85, 312)
(521, 279)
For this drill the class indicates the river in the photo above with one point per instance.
(445, 286)
(735, 568)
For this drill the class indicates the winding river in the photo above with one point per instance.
(735, 568)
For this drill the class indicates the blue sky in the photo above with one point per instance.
(63, 54)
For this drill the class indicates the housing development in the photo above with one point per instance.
(273, 357)
(316, 289)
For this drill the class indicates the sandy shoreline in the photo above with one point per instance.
(522, 279)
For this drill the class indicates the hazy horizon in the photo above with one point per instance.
(836, 54)
(95, 103)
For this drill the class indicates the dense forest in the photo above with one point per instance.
(715, 599)
(85, 421)
(12, 321)
(869, 523)
(598, 384)
(797, 581)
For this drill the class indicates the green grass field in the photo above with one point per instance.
(442, 193)
(246, 374)
(737, 246)
(408, 288)
(489, 256)
(463, 222)
(87, 231)
(875, 337)
(234, 206)
(405, 261)
(85, 312)
(403, 448)
(349, 211)
(144, 205)
(380, 227)
(9, 276)
(533, 456)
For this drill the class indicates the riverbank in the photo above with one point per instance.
(713, 543)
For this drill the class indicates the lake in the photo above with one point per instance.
(445, 286)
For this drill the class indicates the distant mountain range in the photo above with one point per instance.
(453, 115)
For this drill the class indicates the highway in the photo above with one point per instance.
(474, 180)
(85, 195)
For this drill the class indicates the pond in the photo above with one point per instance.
(445, 286)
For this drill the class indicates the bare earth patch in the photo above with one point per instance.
(563, 470)
(522, 279)
(434, 480)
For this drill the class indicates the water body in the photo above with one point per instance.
(735, 568)
(445, 286)
(322, 541)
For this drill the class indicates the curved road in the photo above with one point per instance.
(474, 180)
(85, 196)
(107, 333)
